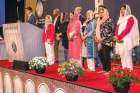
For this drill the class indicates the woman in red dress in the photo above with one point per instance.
(48, 39)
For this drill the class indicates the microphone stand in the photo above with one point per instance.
(18, 4)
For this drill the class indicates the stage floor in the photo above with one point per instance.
(94, 80)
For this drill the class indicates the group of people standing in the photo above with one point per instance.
(91, 37)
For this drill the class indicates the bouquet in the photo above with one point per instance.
(70, 66)
(120, 76)
(38, 63)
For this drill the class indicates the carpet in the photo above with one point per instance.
(96, 80)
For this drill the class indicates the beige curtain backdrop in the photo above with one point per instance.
(31, 3)
(97, 3)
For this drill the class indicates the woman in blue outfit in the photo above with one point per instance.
(88, 39)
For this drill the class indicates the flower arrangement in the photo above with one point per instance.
(120, 76)
(70, 68)
(38, 63)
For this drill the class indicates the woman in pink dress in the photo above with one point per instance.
(73, 32)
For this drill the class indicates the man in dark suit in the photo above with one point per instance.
(30, 17)
(58, 33)
(81, 17)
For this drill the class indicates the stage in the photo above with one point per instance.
(90, 82)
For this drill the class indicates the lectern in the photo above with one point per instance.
(23, 41)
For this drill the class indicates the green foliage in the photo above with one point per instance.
(70, 66)
(119, 76)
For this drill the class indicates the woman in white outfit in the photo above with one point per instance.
(48, 39)
(126, 36)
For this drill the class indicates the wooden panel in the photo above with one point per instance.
(13, 41)
(8, 83)
(59, 90)
(43, 88)
(18, 86)
(1, 83)
(29, 86)
(33, 82)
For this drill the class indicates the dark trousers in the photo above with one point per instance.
(56, 48)
(104, 54)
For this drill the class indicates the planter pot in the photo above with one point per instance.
(123, 89)
(41, 70)
(71, 76)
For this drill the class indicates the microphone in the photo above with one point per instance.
(18, 2)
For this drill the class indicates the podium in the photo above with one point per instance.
(23, 41)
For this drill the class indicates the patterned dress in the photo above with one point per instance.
(107, 33)
(90, 28)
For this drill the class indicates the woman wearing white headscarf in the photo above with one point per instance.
(126, 36)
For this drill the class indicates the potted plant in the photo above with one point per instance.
(121, 79)
(38, 64)
(71, 69)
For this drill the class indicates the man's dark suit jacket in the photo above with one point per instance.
(57, 25)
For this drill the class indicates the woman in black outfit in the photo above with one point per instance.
(104, 36)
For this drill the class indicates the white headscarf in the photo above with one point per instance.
(128, 10)
(132, 38)
(126, 14)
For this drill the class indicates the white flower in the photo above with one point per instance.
(38, 62)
